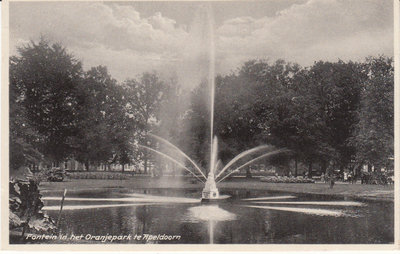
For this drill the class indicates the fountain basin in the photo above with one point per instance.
(217, 199)
(238, 219)
(210, 191)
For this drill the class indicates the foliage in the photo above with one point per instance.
(55, 174)
(285, 179)
(313, 111)
(105, 128)
(331, 114)
(335, 96)
(43, 81)
(374, 133)
(25, 207)
(98, 175)
(144, 99)
(196, 126)
(57, 111)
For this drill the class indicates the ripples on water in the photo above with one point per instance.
(313, 211)
(248, 217)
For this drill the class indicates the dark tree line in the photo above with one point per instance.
(332, 115)
(59, 111)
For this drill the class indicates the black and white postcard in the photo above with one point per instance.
(200, 125)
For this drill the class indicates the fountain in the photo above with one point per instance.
(210, 191)
(137, 211)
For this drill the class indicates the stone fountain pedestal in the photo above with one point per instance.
(210, 190)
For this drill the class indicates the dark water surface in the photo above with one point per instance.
(236, 220)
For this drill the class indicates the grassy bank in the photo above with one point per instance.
(375, 192)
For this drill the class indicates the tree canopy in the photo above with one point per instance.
(331, 114)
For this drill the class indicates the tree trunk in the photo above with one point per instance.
(87, 165)
(146, 142)
(248, 172)
(310, 169)
(358, 170)
(145, 162)
(324, 170)
(295, 166)
(123, 168)
(341, 169)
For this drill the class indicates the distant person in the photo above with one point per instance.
(351, 177)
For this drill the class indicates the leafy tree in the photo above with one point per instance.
(125, 128)
(43, 82)
(172, 108)
(335, 90)
(310, 111)
(24, 140)
(106, 128)
(243, 105)
(374, 133)
(144, 99)
(93, 140)
(245, 123)
(196, 124)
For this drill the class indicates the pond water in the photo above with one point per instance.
(248, 217)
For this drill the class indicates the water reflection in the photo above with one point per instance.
(80, 207)
(269, 198)
(144, 215)
(249, 217)
(320, 203)
(313, 211)
(132, 198)
(209, 213)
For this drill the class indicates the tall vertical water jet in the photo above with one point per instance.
(210, 190)
(204, 55)
(211, 72)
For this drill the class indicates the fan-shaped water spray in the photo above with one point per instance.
(171, 159)
(242, 155)
(179, 151)
(254, 160)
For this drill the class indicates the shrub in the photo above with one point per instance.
(55, 174)
(285, 179)
(25, 206)
(98, 175)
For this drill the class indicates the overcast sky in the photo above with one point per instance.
(132, 37)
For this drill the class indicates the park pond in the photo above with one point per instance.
(177, 216)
